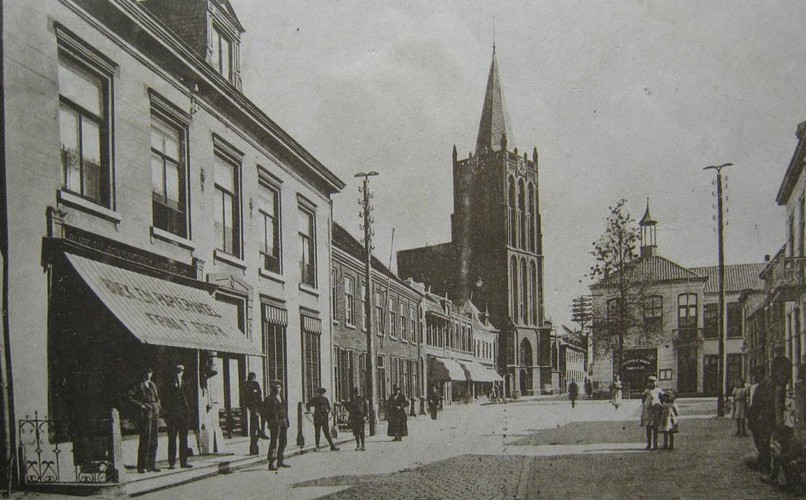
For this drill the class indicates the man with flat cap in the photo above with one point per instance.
(321, 413)
(275, 411)
(178, 416)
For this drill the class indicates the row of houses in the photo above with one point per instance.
(153, 215)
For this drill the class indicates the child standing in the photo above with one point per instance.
(668, 420)
(650, 412)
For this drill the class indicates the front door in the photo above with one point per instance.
(710, 383)
(687, 369)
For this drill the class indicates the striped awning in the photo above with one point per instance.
(479, 373)
(162, 312)
(445, 370)
(311, 323)
(275, 315)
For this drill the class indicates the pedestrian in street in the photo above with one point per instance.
(433, 401)
(741, 394)
(772, 400)
(144, 395)
(650, 412)
(251, 399)
(763, 418)
(615, 391)
(573, 392)
(357, 408)
(668, 419)
(396, 415)
(179, 409)
(275, 411)
(321, 417)
(588, 388)
(758, 374)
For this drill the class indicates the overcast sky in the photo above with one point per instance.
(622, 99)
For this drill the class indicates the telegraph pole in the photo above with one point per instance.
(366, 225)
(720, 401)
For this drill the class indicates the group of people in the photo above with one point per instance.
(659, 415)
(573, 390)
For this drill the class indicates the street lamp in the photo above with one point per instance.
(366, 209)
(720, 401)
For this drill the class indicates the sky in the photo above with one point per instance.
(623, 99)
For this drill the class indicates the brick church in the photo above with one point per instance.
(495, 254)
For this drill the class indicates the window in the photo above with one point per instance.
(513, 224)
(653, 313)
(533, 285)
(687, 311)
(802, 224)
(363, 307)
(403, 333)
(333, 298)
(269, 219)
(734, 323)
(274, 345)
(349, 300)
(392, 311)
(521, 216)
(524, 293)
(168, 176)
(313, 363)
(710, 321)
(222, 54)
(791, 241)
(227, 206)
(307, 262)
(379, 300)
(84, 128)
(665, 374)
(514, 289)
(413, 320)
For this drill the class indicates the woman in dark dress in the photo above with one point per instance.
(396, 415)
(357, 407)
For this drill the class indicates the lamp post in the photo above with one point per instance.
(720, 401)
(366, 209)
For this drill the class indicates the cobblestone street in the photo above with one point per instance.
(519, 450)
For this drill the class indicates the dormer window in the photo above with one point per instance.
(222, 53)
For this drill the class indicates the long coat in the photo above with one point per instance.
(178, 404)
(358, 414)
(396, 415)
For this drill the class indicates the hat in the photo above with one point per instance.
(179, 368)
(276, 381)
(321, 390)
(394, 388)
(652, 378)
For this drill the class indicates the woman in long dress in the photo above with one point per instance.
(396, 415)
(739, 411)
(616, 391)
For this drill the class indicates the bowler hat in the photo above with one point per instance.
(321, 390)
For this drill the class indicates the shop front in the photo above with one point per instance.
(449, 377)
(110, 319)
(482, 379)
(636, 367)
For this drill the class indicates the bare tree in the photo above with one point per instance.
(617, 275)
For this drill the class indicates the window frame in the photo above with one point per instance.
(349, 300)
(684, 320)
(308, 257)
(266, 184)
(652, 313)
(226, 155)
(168, 119)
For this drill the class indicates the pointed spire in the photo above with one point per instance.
(648, 235)
(647, 219)
(493, 132)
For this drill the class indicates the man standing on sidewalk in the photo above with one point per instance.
(321, 414)
(144, 395)
(251, 397)
(573, 392)
(178, 417)
(275, 411)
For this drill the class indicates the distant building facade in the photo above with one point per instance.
(496, 254)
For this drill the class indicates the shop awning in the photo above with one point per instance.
(444, 370)
(479, 373)
(161, 312)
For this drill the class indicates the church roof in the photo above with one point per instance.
(653, 268)
(493, 123)
(738, 277)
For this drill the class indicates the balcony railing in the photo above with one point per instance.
(786, 278)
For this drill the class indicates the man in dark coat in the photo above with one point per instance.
(179, 408)
(433, 401)
(251, 399)
(766, 410)
(321, 420)
(275, 411)
(145, 397)
(396, 415)
(573, 392)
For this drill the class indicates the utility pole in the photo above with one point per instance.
(720, 401)
(366, 225)
(582, 314)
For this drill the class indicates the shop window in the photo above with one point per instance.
(307, 262)
(84, 128)
(269, 220)
(168, 175)
(313, 363)
(227, 205)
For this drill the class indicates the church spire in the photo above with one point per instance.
(493, 133)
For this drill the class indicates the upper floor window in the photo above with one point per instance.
(687, 311)
(379, 300)
(403, 333)
(222, 54)
(269, 219)
(392, 310)
(734, 318)
(84, 129)
(413, 320)
(227, 206)
(333, 298)
(349, 300)
(802, 224)
(168, 174)
(710, 321)
(653, 313)
(307, 259)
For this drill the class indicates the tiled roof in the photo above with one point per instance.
(653, 268)
(345, 241)
(738, 277)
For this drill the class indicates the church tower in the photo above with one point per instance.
(496, 232)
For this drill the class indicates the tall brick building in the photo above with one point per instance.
(496, 253)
